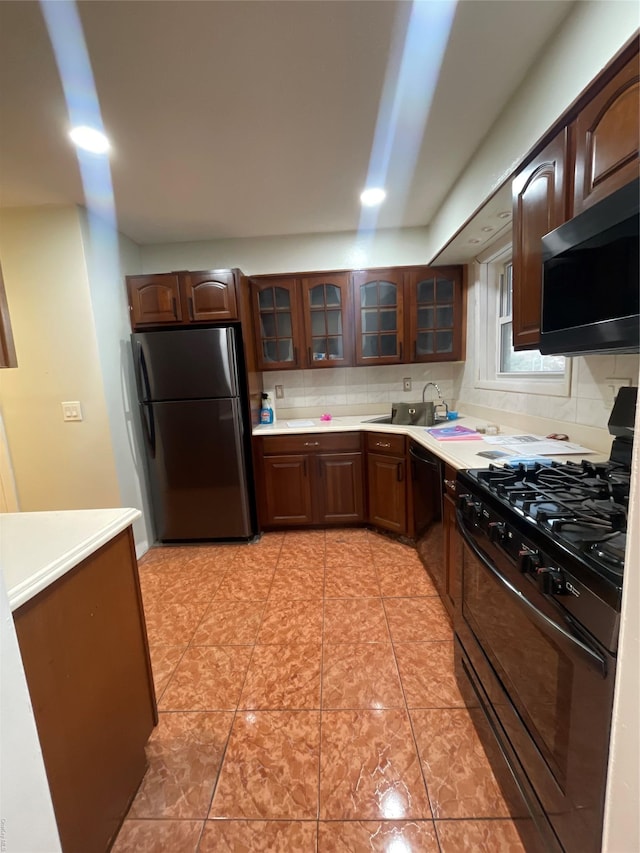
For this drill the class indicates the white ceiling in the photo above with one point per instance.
(244, 119)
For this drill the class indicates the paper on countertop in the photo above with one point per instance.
(300, 423)
(536, 445)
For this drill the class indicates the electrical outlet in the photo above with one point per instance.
(614, 385)
(71, 411)
(279, 392)
(406, 383)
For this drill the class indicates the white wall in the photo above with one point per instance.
(28, 820)
(293, 253)
(591, 34)
(110, 257)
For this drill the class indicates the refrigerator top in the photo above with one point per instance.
(186, 364)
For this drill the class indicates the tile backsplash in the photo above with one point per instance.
(342, 390)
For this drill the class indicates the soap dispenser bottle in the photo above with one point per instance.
(266, 411)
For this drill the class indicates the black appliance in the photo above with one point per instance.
(590, 283)
(537, 630)
(427, 471)
(193, 404)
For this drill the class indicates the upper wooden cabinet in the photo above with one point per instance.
(378, 298)
(210, 296)
(327, 319)
(170, 299)
(539, 205)
(435, 314)
(607, 138)
(277, 323)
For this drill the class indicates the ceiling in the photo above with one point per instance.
(246, 119)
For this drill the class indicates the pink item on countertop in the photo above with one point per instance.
(325, 417)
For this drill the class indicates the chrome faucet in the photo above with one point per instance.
(440, 402)
(435, 386)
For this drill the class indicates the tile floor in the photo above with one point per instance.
(307, 703)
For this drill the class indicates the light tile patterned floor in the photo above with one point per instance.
(307, 705)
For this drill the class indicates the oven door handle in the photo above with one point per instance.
(537, 616)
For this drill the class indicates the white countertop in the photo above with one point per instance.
(459, 454)
(36, 548)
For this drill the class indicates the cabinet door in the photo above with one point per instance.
(379, 312)
(387, 492)
(154, 300)
(539, 206)
(209, 297)
(339, 488)
(435, 313)
(287, 490)
(451, 592)
(607, 138)
(277, 323)
(328, 325)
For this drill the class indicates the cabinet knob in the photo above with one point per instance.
(450, 484)
(311, 443)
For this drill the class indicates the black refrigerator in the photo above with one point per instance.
(193, 408)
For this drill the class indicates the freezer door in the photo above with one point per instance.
(197, 470)
(186, 364)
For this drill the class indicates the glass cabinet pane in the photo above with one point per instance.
(370, 322)
(425, 318)
(317, 323)
(444, 291)
(334, 322)
(388, 293)
(425, 291)
(283, 299)
(265, 298)
(284, 325)
(388, 320)
(335, 348)
(388, 345)
(332, 294)
(444, 341)
(444, 317)
(285, 349)
(267, 325)
(370, 346)
(369, 294)
(316, 296)
(424, 344)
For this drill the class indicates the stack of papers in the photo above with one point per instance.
(536, 445)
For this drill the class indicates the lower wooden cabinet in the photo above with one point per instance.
(84, 648)
(387, 480)
(312, 479)
(452, 552)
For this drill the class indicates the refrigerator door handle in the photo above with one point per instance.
(150, 426)
(144, 374)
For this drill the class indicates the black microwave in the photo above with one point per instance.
(591, 279)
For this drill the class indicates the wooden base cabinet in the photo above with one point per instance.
(313, 479)
(84, 647)
(386, 471)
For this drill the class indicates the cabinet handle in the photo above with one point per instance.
(400, 471)
(311, 443)
(383, 444)
(450, 484)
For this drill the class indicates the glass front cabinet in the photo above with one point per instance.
(328, 324)
(277, 323)
(435, 313)
(378, 298)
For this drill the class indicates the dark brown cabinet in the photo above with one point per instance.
(452, 553)
(177, 298)
(387, 481)
(277, 323)
(327, 320)
(84, 647)
(435, 314)
(606, 139)
(304, 480)
(378, 299)
(539, 205)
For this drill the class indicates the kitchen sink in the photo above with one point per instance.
(383, 419)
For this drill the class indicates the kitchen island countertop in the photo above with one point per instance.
(37, 548)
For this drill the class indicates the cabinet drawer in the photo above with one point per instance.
(311, 443)
(381, 442)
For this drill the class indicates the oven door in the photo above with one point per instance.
(549, 685)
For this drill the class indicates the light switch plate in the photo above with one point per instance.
(406, 383)
(71, 411)
(279, 392)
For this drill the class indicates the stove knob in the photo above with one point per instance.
(551, 581)
(470, 508)
(497, 531)
(528, 561)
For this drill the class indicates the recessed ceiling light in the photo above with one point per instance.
(373, 196)
(90, 139)
(504, 214)
(487, 228)
(473, 240)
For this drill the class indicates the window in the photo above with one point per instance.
(499, 366)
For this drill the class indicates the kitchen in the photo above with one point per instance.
(55, 469)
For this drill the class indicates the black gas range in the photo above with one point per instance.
(542, 569)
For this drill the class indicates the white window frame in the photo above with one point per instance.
(486, 330)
